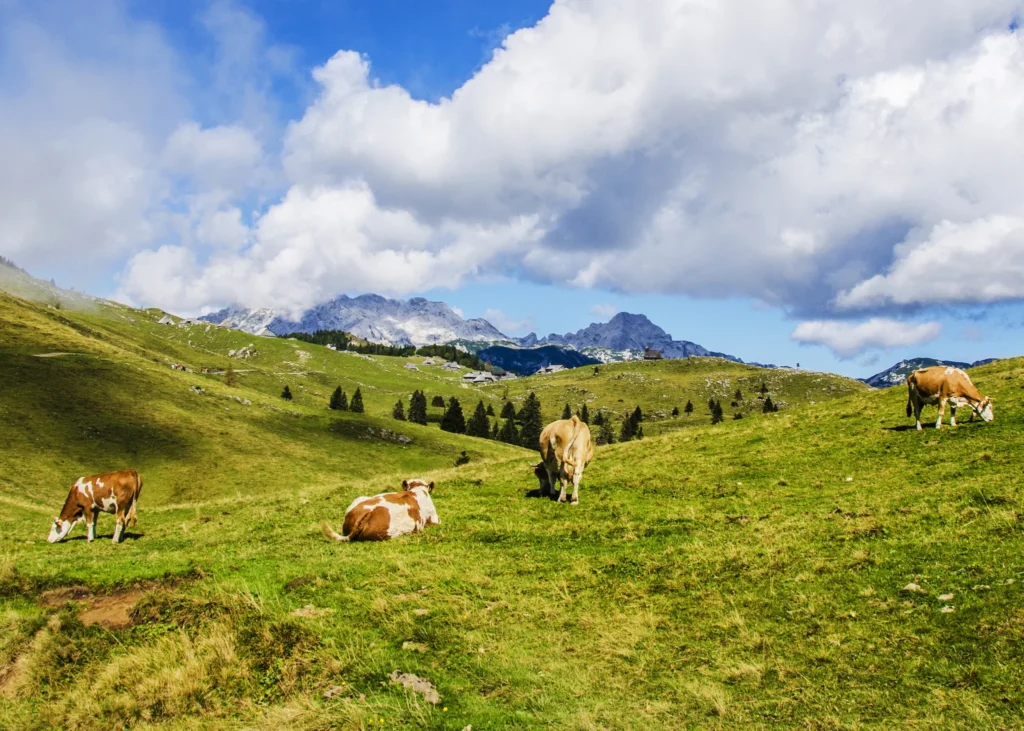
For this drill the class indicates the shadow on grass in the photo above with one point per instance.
(536, 493)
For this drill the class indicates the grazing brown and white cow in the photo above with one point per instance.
(388, 514)
(112, 492)
(565, 449)
(941, 385)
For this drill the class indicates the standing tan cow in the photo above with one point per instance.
(565, 449)
(942, 384)
(112, 492)
(388, 514)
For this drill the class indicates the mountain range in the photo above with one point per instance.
(898, 373)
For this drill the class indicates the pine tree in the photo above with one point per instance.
(286, 394)
(640, 432)
(532, 422)
(478, 426)
(638, 415)
(769, 407)
(494, 431)
(716, 414)
(508, 411)
(418, 407)
(599, 418)
(453, 420)
(567, 412)
(627, 431)
(675, 411)
(356, 406)
(339, 402)
(764, 388)
(585, 415)
(606, 435)
(230, 377)
(437, 401)
(689, 407)
(737, 416)
(508, 433)
(399, 411)
(490, 410)
(711, 405)
(739, 395)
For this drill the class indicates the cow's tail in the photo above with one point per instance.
(135, 500)
(568, 456)
(910, 395)
(329, 532)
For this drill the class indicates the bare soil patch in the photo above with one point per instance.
(112, 611)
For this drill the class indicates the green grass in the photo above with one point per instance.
(725, 576)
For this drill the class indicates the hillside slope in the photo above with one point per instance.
(743, 575)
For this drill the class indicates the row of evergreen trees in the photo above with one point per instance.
(340, 401)
(343, 341)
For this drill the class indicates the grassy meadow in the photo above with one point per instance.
(749, 574)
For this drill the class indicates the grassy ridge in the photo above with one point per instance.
(726, 576)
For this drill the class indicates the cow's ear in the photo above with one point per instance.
(405, 484)
(430, 487)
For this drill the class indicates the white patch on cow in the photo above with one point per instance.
(92, 531)
(80, 483)
(401, 522)
(59, 530)
(99, 482)
(428, 513)
(986, 413)
(117, 533)
(108, 504)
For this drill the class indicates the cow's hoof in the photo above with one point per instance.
(574, 502)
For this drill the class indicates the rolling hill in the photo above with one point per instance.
(825, 566)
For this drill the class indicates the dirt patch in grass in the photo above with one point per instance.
(112, 611)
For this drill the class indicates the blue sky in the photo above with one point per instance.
(838, 187)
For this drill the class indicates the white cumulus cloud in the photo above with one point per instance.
(605, 312)
(508, 325)
(849, 339)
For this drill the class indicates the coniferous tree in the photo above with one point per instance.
(628, 430)
(230, 377)
(739, 395)
(399, 411)
(531, 422)
(494, 431)
(606, 435)
(640, 432)
(356, 405)
(585, 415)
(689, 407)
(567, 412)
(508, 433)
(716, 413)
(599, 418)
(768, 406)
(764, 388)
(339, 401)
(490, 410)
(508, 411)
(638, 415)
(711, 405)
(478, 426)
(418, 407)
(286, 394)
(737, 416)
(437, 401)
(675, 411)
(453, 420)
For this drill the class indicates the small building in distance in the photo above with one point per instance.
(165, 320)
(652, 354)
(550, 369)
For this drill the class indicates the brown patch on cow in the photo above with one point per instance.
(112, 611)
(408, 499)
(368, 523)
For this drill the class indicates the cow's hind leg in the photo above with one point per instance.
(577, 477)
(562, 479)
(918, 407)
(942, 412)
(952, 414)
(550, 486)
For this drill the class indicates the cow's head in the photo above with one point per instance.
(542, 475)
(413, 484)
(984, 409)
(59, 529)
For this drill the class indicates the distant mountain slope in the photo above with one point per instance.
(623, 338)
(898, 373)
(527, 361)
(393, 322)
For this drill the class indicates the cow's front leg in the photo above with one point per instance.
(952, 414)
(917, 414)
(120, 528)
(942, 412)
(550, 486)
(90, 523)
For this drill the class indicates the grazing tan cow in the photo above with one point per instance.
(942, 384)
(388, 514)
(113, 492)
(565, 449)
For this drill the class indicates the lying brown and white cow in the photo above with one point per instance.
(112, 492)
(941, 385)
(388, 514)
(565, 449)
